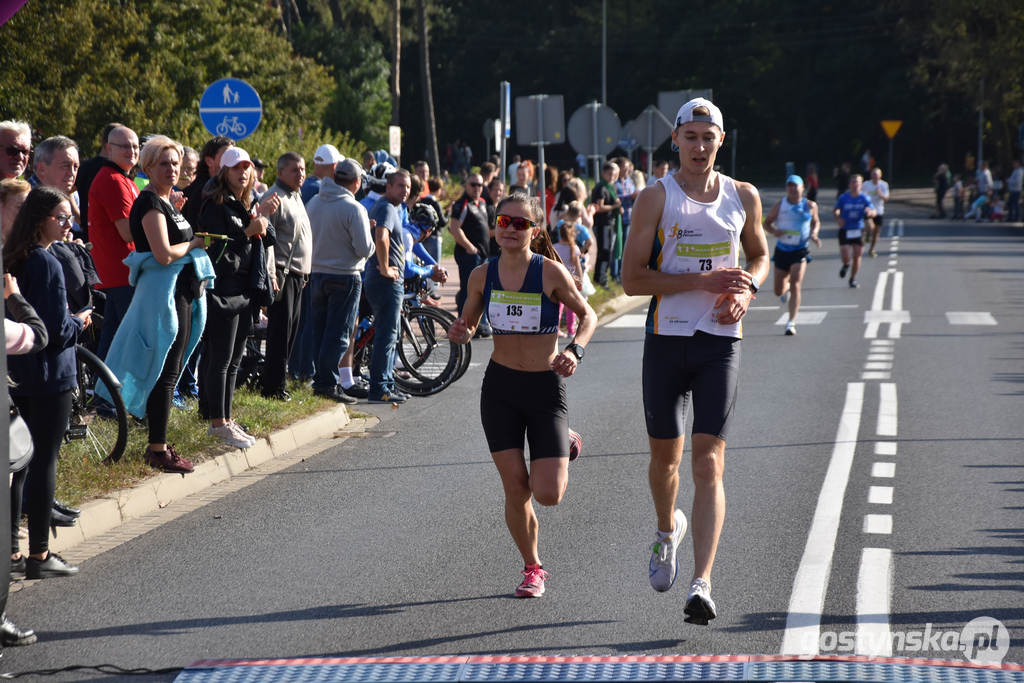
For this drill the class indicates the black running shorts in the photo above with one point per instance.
(844, 240)
(705, 366)
(517, 406)
(784, 259)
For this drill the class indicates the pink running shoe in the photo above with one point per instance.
(533, 582)
(575, 445)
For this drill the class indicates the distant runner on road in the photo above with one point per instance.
(798, 223)
(852, 207)
(683, 249)
(877, 191)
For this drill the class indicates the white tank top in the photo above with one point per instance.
(695, 237)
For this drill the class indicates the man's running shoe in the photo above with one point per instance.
(662, 568)
(844, 270)
(784, 297)
(853, 284)
(533, 582)
(790, 329)
(700, 608)
(575, 445)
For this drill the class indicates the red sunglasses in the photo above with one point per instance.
(517, 222)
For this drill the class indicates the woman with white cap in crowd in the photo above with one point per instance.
(242, 232)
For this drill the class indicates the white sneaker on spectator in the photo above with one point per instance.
(228, 435)
(242, 433)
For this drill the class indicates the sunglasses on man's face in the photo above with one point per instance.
(13, 151)
(475, 184)
(517, 222)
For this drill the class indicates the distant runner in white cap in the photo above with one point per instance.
(684, 249)
(798, 223)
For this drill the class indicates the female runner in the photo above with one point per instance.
(523, 393)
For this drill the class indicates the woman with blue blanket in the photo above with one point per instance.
(169, 270)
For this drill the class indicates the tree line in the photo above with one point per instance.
(800, 83)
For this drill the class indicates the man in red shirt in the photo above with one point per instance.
(110, 200)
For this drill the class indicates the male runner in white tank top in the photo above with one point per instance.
(683, 250)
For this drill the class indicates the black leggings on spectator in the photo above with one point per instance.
(47, 418)
(223, 346)
(158, 406)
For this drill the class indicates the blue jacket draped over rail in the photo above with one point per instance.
(144, 338)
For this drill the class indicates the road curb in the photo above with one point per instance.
(102, 515)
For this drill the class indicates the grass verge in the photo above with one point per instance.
(81, 477)
(599, 299)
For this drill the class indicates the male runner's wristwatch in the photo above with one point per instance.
(754, 284)
(576, 350)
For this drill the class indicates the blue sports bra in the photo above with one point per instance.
(527, 310)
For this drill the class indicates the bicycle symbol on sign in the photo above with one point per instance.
(231, 124)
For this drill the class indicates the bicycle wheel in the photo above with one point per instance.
(428, 359)
(102, 425)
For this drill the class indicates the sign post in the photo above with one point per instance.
(891, 128)
(489, 128)
(230, 107)
(505, 120)
(540, 120)
(395, 142)
(594, 131)
(651, 129)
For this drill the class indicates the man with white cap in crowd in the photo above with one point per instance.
(302, 363)
(325, 159)
(683, 250)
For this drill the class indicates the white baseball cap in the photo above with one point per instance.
(233, 156)
(327, 154)
(685, 113)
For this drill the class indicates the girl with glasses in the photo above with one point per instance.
(42, 381)
(523, 395)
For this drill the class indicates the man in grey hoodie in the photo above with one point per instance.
(341, 244)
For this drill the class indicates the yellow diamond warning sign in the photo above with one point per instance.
(891, 128)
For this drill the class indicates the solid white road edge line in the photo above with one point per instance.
(807, 598)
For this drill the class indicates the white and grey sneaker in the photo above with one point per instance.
(662, 568)
(237, 429)
(790, 329)
(700, 608)
(228, 435)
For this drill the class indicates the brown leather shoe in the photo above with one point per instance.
(169, 461)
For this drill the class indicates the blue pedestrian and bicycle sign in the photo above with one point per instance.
(231, 107)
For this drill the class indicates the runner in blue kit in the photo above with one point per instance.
(852, 207)
(522, 399)
(683, 250)
(798, 223)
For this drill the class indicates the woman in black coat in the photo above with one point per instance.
(239, 260)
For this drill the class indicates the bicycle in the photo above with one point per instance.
(428, 361)
(102, 425)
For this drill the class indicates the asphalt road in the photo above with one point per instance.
(396, 545)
